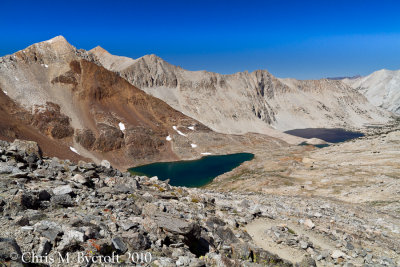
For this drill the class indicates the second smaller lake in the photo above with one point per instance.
(334, 135)
(193, 173)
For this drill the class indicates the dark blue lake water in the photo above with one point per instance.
(334, 135)
(193, 173)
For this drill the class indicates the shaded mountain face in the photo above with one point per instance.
(246, 102)
(381, 88)
(62, 98)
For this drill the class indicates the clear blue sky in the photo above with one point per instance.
(300, 39)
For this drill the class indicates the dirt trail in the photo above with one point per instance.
(257, 230)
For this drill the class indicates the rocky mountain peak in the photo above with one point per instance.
(99, 50)
(57, 39)
(47, 51)
(57, 44)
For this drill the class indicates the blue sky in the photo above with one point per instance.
(299, 39)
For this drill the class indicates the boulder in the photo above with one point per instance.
(105, 164)
(172, 224)
(27, 200)
(43, 195)
(119, 244)
(48, 229)
(9, 249)
(62, 200)
(338, 254)
(5, 168)
(28, 147)
(80, 179)
(44, 247)
(62, 190)
(137, 241)
(309, 224)
(71, 239)
(226, 235)
(307, 262)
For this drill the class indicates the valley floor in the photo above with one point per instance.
(344, 199)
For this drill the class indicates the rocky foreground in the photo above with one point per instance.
(57, 213)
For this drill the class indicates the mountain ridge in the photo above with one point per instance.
(69, 98)
(382, 88)
(250, 102)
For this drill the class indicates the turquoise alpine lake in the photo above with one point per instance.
(193, 173)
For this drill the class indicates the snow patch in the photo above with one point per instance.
(44, 65)
(191, 128)
(5, 92)
(16, 79)
(74, 150)
(121, 126)
(179, 132)
(193, 145)
(168, 138)
(206, 153)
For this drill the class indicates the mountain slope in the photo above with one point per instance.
(382, 88)
(73, 101)
(247, 102)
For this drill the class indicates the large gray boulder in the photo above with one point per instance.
(28, 147)
(9, 249)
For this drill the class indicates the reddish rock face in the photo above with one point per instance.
(49, 120)
(85, 138)
(110, 138)
(16, 123)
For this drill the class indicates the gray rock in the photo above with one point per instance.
(137, 241)
(48, 229)
(368, 258)
(70, 239)
(195, 262)
(307, 262)
(309, 224)
(122, 188)
(19, 175)
(106, 164)
(119, 244)
(126, 225)
(26, 228)
(27, 200)
(86, 166)
(62, 190)
(338, 254)
(226, 235)
(303, 244)
(22, 221)
(80, 179)
(349, 246)
(44, 195)
(5, 168)
(44, 247)
(363, 253)
(176, 226)
(183, 261)
(9, 248)
(62, 200)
